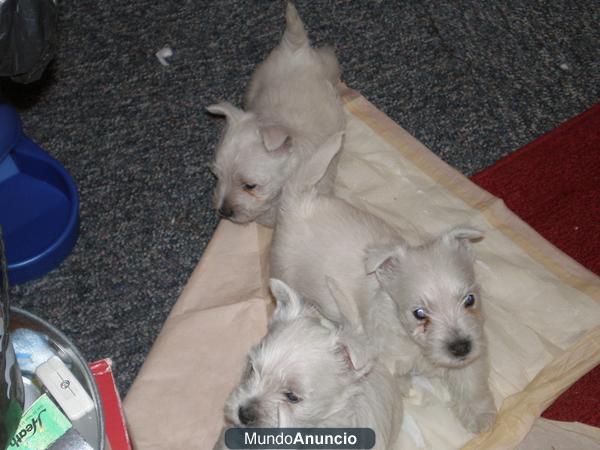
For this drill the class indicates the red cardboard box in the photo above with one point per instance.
(114, 420)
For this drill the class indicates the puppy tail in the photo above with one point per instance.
(294, 36)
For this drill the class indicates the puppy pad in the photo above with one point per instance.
(542, 308)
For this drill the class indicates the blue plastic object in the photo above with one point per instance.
(31, 349)
(39, 204)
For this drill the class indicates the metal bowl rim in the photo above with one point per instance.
(89, 378)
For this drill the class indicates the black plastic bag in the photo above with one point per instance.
(27, 38)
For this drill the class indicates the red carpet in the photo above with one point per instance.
(553, 184)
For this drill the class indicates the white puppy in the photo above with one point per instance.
(292, 107)
(420, 305)
(437, 302)
(309, 371)
(321, 235)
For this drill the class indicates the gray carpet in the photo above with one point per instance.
(473, 80)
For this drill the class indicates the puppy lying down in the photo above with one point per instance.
(309, 371)
(292, 107)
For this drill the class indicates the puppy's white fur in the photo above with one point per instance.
(309, 371)
(437, 279)
(319, 235)
(292, 107)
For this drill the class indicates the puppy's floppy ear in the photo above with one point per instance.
(289, 303)
(314, 169)
(383, 259)
(231, 113)
(276, 138)
(354, 349)
(461, 238)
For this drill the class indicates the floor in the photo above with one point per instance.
(473, 81)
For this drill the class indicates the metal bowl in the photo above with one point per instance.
(71, 356)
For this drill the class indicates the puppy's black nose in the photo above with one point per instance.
(460, 347)
(247, 414)
(225, 211)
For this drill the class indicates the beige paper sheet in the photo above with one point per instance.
(542, 308)
(550, 434)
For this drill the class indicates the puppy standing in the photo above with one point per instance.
(309, 371)
(421, 309)
(292, 108)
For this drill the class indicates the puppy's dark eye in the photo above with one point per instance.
(420, 314)
(469, 301)
(292, 398)
(249, 187)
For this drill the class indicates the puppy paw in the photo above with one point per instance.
(478, 423)
(476, 416)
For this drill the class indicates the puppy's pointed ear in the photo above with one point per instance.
(276, 138)
(231, 113)
(289, 304)
(314, 169)
(462, 237)
(352, 343)
(346, 309)
(384, 259)
(354, 349)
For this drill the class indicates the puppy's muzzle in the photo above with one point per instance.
(248, 414)
(460, 348)
(225, 212)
